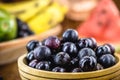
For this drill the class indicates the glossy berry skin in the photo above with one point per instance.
(82, 43)
(77, 70)
(107, 60)
(86, 43)
(111, 48)
(58, 69)
(23, 29)
(30, 56)
(70, 48)
(92, 43)
(88, 63)
(32, 45)
(42, 53)
(52, 42)
(86, 52)
(101, 50)
(69, 54)
(62, 58)
(70, 35)
(43, 65)
(33, 63)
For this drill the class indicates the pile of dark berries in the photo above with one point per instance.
(69, 54)
(23, 29)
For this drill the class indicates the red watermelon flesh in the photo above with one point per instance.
(103, 23)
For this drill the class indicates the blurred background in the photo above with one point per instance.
(25, 20)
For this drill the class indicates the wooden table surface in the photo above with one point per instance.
(10, 71)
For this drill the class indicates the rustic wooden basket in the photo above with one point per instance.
(28, 73)
(11, 50)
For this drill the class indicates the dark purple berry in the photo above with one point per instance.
(70, 35)
(42, 53)
(82, 43)
(43, 65)
(62, 58)
(94, 43)
(111, 48)
(88, 63)
(101, 50)
(32, 45)
(23, 29)
(70, 48)
(58, 69)
(22, 26)
(86, 52)
(33, 63)
(22, 34)
(107, 60)
(52, 42)
(99, 67)
(86, 43)
(30, 32)
(30, 56)
(77, 70)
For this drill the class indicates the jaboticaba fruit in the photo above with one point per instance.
(70, 54)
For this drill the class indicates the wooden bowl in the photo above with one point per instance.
(79, 10)
(11, 50)
(28, 73)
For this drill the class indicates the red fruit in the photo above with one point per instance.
(52, 42)
(103, 24)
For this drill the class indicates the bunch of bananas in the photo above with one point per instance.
(40, 15)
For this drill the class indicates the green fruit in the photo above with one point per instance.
(8, 26)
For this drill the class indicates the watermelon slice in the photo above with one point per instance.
(103, 23)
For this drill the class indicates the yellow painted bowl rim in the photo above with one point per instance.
(58, 75)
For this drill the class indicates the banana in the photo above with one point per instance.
(26, 9)
(58, 12)
(41, 4)
(40, 22)
(50, 17)
(40, 15)
(17, 7)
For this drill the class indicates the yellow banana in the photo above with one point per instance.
(38, 14)
(17, 7)
(41, 4)
(53, 15)
(29, 10)
(40, 23)
(58, 12)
